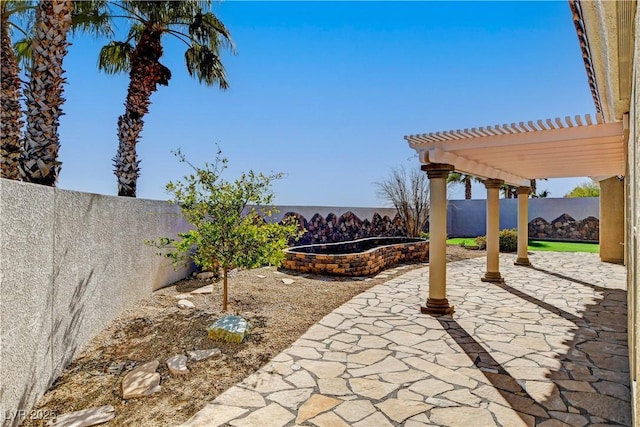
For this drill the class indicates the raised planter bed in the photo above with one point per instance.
(363, 257)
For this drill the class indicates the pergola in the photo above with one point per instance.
(510, 154)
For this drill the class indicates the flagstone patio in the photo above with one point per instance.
(548, 347)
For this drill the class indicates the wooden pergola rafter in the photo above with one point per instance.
(517, 152)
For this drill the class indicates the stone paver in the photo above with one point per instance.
(547, 347)
(142, 381)
(178, 364)
(198, 355)
(86, 417)
(203, 290)
(186, 304)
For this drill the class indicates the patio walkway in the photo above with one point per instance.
(547, 348)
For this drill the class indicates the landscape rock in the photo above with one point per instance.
(178, 364)
(86, 417)
(203, 290)
(182, 296)
(141, 381)
(347, 226)
(288, 281)
(198, 355)
(205, 275)
(565, 228)
(229, 329)
(184, 303)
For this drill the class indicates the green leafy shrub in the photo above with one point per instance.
(508, 240)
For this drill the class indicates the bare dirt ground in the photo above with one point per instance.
(157, 329)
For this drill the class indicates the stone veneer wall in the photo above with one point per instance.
(348, 226)
(565, 228)
(552, 219)
(364, 263)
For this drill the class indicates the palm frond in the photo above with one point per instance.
(115, 57)
(93, 21)
(178, 11)
(204, 64)
(208, 30)
(135, 32)
(12, 7)
(19, 15)
(24, 53)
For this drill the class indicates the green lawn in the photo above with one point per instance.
(538, 245)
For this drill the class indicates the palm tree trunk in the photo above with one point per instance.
(533, 186)
(467, 187)
(11, 113)
(44, 93)
(146, 73)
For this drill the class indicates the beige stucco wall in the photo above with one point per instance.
(70, 263)
(632, 191)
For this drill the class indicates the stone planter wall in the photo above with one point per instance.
(366, 263)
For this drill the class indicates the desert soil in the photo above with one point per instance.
(157, 329)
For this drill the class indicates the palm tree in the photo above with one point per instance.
(44, 93)
(509, 191)
(459, 178)
(11, 119)
(189, 21)
(45, 53)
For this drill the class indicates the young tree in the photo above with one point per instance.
(190, 22)
(585, 189)
(409, 194)
(229, 230)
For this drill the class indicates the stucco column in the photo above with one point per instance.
(493, 231)
(523, 226)
(437, 302)
(612, 220)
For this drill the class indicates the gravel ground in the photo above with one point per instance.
(157, 329)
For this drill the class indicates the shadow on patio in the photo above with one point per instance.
(548, 348)
(587, 374)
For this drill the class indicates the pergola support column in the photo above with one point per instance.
(493, 231)
(523, 226)
(437, 303)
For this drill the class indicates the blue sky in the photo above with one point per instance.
(325, 92)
